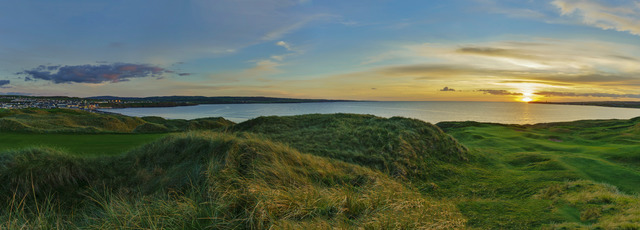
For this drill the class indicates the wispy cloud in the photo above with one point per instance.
(197, 29)
(499, 92)
(519, 10)
(284, 44)
(623, 17)
(539, 58)
(3, 83)
(93, 74)
(502, 68)
(498, 52)
(265, 66)
(269, 66)
(283, 30)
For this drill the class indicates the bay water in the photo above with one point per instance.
(429, 111)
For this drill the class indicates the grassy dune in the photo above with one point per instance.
(208, 180)
(330, 171)
(77, 121)
(90, 134)
(401, 147)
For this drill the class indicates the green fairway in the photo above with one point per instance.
(529, 166)
(80, 144)
(90, 134)
(600, 151)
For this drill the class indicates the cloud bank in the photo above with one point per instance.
(446, 88)
(624, 17)
(500, 69)
(120, 32)
(94, 74)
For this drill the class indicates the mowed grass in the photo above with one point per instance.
(548, 175)
(90, 134)
(594, 152)
(77, 144)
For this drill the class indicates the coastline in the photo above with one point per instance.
(432, 112)
(616, 104)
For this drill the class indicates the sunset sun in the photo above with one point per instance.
(526, 99)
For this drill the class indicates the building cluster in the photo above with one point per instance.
(14, 102)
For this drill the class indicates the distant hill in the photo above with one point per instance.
(78, 121)
(214, 100)
(622, 104)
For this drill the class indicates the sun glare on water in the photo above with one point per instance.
(527, 96)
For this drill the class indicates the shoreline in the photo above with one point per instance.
(613, 104)
(171, 114)
(163, 105)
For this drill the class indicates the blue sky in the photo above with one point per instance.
(481, 50)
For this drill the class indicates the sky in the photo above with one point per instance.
(423, 50)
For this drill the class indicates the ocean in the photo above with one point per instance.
(429, 111)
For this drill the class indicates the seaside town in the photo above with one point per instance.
(21, 102)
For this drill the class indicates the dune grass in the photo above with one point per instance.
(401, 147)
(494, 185)
(208, 180)
(83, 122)
(317, 171)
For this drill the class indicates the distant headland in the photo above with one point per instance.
(621, 104)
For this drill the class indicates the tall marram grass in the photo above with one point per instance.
(208, 180)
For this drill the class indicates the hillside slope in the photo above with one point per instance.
(336, 171)
(401, 147)
(207, 180)
(78, 121)
(566, 175)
